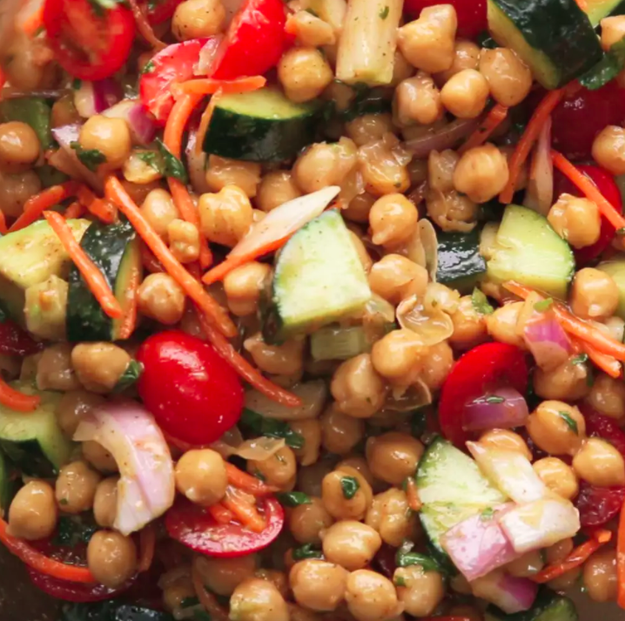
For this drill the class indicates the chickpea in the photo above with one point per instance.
(243, 287)
(481, 173)
(276, 188)
(466, 56)
(310, 30)
(302, 614)
(451, 211)
(111, 558)
(465, 94)
(396, 278)
(159, 210)
(419, 591)
(310, 478)
(278, 578)
(340, 433)
(428, 42)
(358, 463)
(594, 294)
(402, 69)
(569, 381)
(527, 565)
(398, 356)
(502, 324)
(551, 428)
(608, 149)
(201, 476)
(73, 407)
(27, 62)
(258, 600)
(138, 170)
(371, 597)
(307, 521)
(198, 18)
(438, 364)
(33, 512)
(390, 515)
(76, 486)
(99, 366)
(508, 77)
(469, 325)
(381, 171)
(559, 551)
(285, 359)
(279, 470)
(506, 440)
(184, 241)
(363, 254)
(607, 396)
(359, 208)
(19, 146)
(318, 585)
(16, 189)
(358, 390)
(98, 457)
(393, 456)
(558, 477)
(304, 73)
(333, 495)
(162, 298)
(310, 430)
(575, 219)
(223, 575)
(350, 544)
(599, 463)
(176, 593)
(393, 219)
(225, 216)
(105, 502)
(600, 576)
(54, 369)
(369, 128)
(324, 164)
(417, 100)
(223, 172)
(109, 136)
(566, 581)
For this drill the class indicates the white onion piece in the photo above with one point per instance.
(507, 592)
(92, 98)
(547, 340)
(140, 121)
(488, 412)
(540, 524)
(408, 398)
(444, 138)
(312, 394)
(207, 55)
(431, 325)
(427, 234)
(258, 449)
(146, 488)
(510, 472)
(196, 164)
(539, 193)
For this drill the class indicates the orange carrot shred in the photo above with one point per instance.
(243, 510)
(246, 482)
(3, 224)
(207, 86)
(92, 275)
(100, 208)
(16, 400)
(620, 559)
(75, 210)
(129, 321)
(144, 27)
(412, 495)
(34, 21)
(220, 514)
(36, 205)
(608, 364)
(147, 545)
(582, 4)
(205, 121)
(493, 120)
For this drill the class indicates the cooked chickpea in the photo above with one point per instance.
(600, 576)
(54, 369)
(438, 364)
(174, 594)
(466, 56)
(318, 585)
(33, 511)
(333, 494)
(73, 407)
(304, 73)
(308, 520)
(392, 219)
(502, 324)
(340, 433)
(75, 487)
(527, 565)
(369, 128)
(594, 294)
(451, 211)
(363, 254)
(508, 77)
(358, 463)
(276, 188)
(566, 581)
(358, 390)
(105, 502)
(198, 18)
(398, 356)
(19, 146)
(138, 170)
(111, 558)
(98, 457)
(226, 216)
(569, 381)
(469, 325)
(139, 191)
(419, 591)
(280, 469)
(575, 219)
(258, 600)
(558, 477)
(607, 396)
(302, 614)
(243, 287)
(359, 207)
(223, 575)
(201, 476)
(161, 298)
(350, 544)
(417, 100)
(481, 173)
(396, 278)
(393, 456)
(184, 240)
(390, 515)
(559, 551)
(557, 428)
(310, 478)
(608, 149)
(159, 210)
(371, 597)
(109, 136)
(16, 189)
(506, 440)
(599, 463)
(99, 366)
(310, 30)
(465, 94)
(428, 42)
(381, 170)
(310, 430)
(285, 359)
(223, 172)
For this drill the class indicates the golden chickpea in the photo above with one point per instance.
(198, 18)
(16, 189)
(159, 210)
(608, 149)
(371, 597)
(438, 364)
(451, 211)
(223, 575)
(161, 298)
(566, 581)
(339, 432)
(310, 478)
(278, 578)
(607, 396)
(223, 172)
(139, 171)
(140, 191)
(310, 30)
(307, 521)
(419, 591)
(75, 487)
(54, 369)
(392, 219)
(73, 407)
(98, 457)
(285, 359)
(358, 390)
(105, 502)
(466, 56)
(557, 428)
(109, 136)
(243, 287)
(226, 216)
(99, 366)
(334, 494)
(201, 476)
(402, 69)
(369, 128)
(506, 440)
(184, 240)
(64, 112)
(19, 146)
(302, 614)
(318, 585)
(599, 463)
(509, 79)
(304, 73)
(527, 565)
(279, 470)
(465, 94)
(398, 356)
(310, 430)
(558, 477)
(600, 576)
(358, 463)
(350, 544)
(276, 188)
(396, 278)
(428, 42)
(363, 254)
(440, 170)
(469, 325)
(174, 594)
(502, 324)
(417, 100)
(381, 170)
(575, 219)
(481, 173)
(33, 511)
(594, 294)
(559, 551)
(390, 515)
(111, 558)
(569, 381)
(359, 208)
(393, 456)
(258, 600)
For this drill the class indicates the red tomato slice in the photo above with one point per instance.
(74, 591)
(160, 11)
(254, 43)
(16, 342)
(173, 64)
(607, 186)
(185, 384)
(195, 528)
(471, 14)
(89, 44)
(483, 368)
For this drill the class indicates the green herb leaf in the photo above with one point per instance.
(579, 359)
(487, 514)
(566, 417)
(306, 551)
(293, 499)
(152, 159)
(494, 399)
(399, 581)
(148, 67)
(272, 428)
(405, 558)
(129, 377)
(418, 423)
(172, 166)
(76, 84)
(384, 12)
(90, 158)
(543, 305)
(606, 69)
(72, 531)
(480, 302)
(350, 486)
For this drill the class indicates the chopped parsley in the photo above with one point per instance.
(580, 359)
(487, 514)
(72, 531)
(148, 67)
(172, 166)
(350, 486)
(543, 305)
(572, 424)
(293, 499)
(399, 581)
(404, 557)
(306, 551)
(491, 399)
(129, 377)
(480, 302)
(90, 158)
(151, 159)
(271, 428)
(384, 12)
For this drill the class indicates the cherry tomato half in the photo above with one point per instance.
(74, 591)
(89, 43)
(16, 342)
(471, 14)
(192, 526)
(483, 368)
(189, 389)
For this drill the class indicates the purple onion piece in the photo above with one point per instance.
(547, 340)
(503, 408)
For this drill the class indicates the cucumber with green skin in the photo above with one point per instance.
(460, 264)
(548, 607)
(615, 268)
(598, 9)
(33, 111)
(114, 248)
(7, 485)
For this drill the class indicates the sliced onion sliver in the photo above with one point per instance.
(503, 408)
(507, 592)
(539, 193)
(258, 449)
(431, 325)
(313, 396)
(427, 233)
(140, 121)
(444, 138)
(547, 340)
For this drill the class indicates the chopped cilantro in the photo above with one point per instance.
(306, 551)
(129, 376)
(90, 158)
(293, 499)
(480, 303)
(572, 424)
(350, 486)
(405, 558)
(272, 428)
(151, 159)
(580, 359)
(384, 12)
(399, 581)
(148, 67)
(172, 166)
(487, 514)
(543, 305)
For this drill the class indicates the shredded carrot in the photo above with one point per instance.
(576, 558)
(99, 207)
(3, 224)
(41, 563)
(16, 400)
(34, 21)
(620, 559)
(116, 192)
(129, 321)
(220, 514)
(144, 27)
(92, 275)
(582, 4)
(75, 210)
(589, 189)
(412, 495)
(205, 121)
(147, 545)
(149, 261)
(246, 482)
(207, 599)
(207, 86)
(244, 510)
(529, 137)
(36, 205)
(493, 120)
(608, 364)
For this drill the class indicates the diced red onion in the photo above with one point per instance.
(443, 139)
(507, 592)
(547, 340)
(539, 193)
(92, 98)
(207, 55)
(196, 164)
(490, 412)
(140, 121)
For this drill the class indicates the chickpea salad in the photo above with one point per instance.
(313, 310)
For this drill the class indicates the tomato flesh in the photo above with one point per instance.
(74, 591)
(16, 342)
(471, 14)
(194, 527)
(161, 10)
(189, 389)
(88, 44)
(481, 369)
